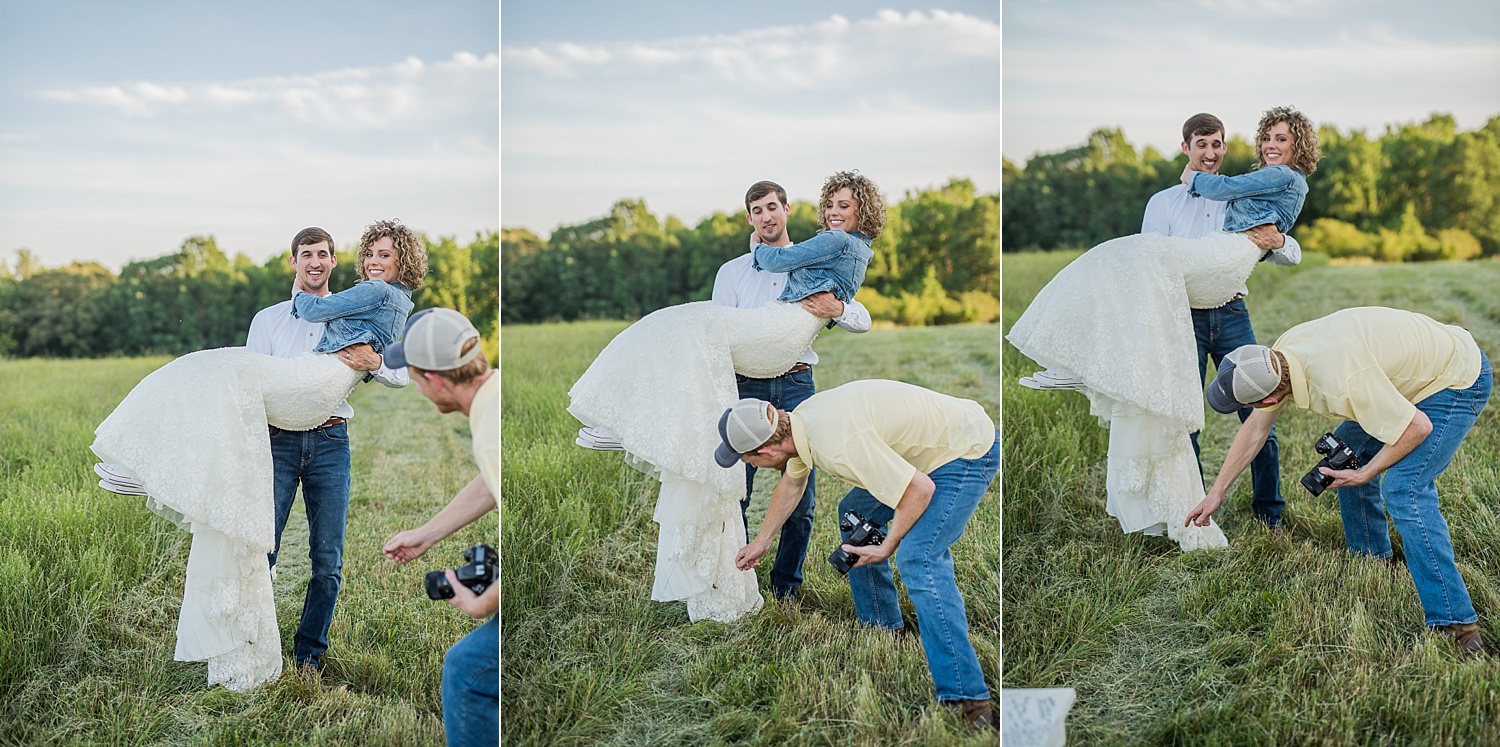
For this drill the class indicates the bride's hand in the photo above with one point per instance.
(749, 556)
(1187, 174)
(1203, 512)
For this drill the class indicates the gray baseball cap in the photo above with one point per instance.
(1248, 374)
(434, 341)
(745, 428)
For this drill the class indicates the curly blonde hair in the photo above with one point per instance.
(1305, 151)
(411, 255)
(871, 209)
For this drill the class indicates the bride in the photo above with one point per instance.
(659, 386)
(192, 436)
(1115, 324)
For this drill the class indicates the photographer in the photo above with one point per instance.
(441, 351)
(920, 461)
(1408, 390)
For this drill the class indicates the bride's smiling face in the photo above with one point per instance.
(379, 261)
(1276, 145)
(841, 211)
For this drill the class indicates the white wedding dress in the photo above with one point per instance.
(1118, 318)
(193, 434)
(660, 387)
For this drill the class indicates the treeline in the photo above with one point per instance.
(1416, 192)
(937, 261)
(199, 298)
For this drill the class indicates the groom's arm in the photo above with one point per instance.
(786, 497)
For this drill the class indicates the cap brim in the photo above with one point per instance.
(725, 456)
(1220, 399)
(395, 356)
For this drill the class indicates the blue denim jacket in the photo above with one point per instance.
(1270, 195)
(373, 311)
(830, 261)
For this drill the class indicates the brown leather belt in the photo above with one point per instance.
(330, 423)
(1237, 297)
(799, 368)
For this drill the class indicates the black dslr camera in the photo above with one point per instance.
(1336, 455)
(861, 533)
(480, 567)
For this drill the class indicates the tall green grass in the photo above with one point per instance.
(91, 583)
(588, 659)
(1274, 641)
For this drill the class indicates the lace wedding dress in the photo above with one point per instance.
(660, 387)
(1118, 318)
(193, 434)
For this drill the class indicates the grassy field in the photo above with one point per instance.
(588, 659)
(1274, 641)
(91, 583)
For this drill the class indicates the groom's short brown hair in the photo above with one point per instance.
(309, 236)
(761, 189)
(1201, 124)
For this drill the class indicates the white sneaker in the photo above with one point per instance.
(598, 439)
(116, 480)
(1052, 379)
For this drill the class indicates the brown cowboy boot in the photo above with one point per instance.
(1465, 636)
(975, 713)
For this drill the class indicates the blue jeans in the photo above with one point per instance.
(319, 460)
(1408, 490)
(471, 688)
(1219, 331)
(927, 571)
(785, 392)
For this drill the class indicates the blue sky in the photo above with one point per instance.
(1073, 66)
(127, 127)
(686, 104)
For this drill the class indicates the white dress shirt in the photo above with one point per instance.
(740, 285)
(1174, 212)
(274, 331)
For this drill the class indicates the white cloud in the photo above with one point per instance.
(1141, 70)
(404, 94)
(802, 55)
(911, 99)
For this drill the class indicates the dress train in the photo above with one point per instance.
(194, 435)
(1118, 318)
(659, 387)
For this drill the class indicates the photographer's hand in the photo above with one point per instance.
(408, 545)
(1415, 433)
(1343, 478)
(1204, 511)
(471, 503)
(749, 556)
(474, 605)
(870, 554)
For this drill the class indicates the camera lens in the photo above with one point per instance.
(437, 586)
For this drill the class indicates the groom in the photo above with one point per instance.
(1175, 212)
(317, 459)
(739, 284)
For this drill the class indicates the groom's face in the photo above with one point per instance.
(1205, 152)
(313, 263)
(768, 217)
